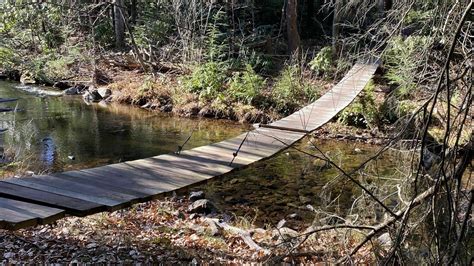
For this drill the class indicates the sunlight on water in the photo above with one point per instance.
(65, 133)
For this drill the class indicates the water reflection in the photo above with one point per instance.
(57, 128)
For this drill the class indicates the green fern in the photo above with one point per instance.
(246, 86)
(322, 62)
(207, 80)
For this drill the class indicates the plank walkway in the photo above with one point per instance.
(46, 198)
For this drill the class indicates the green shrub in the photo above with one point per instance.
(291, 90)
(322, 62)
(52, 66)
(153, 25)
(402, 59)
(394, 109)
(207, 80)
(7, 58)
(362, 112)
(245, 86)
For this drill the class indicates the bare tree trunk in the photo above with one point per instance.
(336, 28)
(292, 27)
(119, 24)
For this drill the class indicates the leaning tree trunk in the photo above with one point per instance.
(292, 27)
(119, 24)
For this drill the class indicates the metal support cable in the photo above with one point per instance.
(236, 153)
(180, 147)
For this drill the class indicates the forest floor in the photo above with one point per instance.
(162, 231)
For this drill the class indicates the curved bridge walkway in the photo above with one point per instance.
(46, 198)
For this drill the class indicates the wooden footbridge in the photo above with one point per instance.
(46, 198)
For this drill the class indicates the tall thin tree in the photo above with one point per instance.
(292, 27)
(119, 24)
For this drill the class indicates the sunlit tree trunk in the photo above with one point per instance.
(292, 27)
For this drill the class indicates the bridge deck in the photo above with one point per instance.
(46, 198)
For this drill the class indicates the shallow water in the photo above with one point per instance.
(297, 183)
(62, 133)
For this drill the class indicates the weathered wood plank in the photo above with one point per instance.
(73, 206)
(64, 184)
(112, 185)
(17, 214)
(110, 204)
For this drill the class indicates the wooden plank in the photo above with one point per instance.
(71, 205)
(17, 214)
(110, 204)
(137, 180)
(157, 179)
(161, 180)
(103, 192)
(113, 185)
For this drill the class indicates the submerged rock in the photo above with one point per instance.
(104, 103)
(76, 90)
(202, 206)
(92, 96)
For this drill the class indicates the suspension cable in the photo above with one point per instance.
(238, 149)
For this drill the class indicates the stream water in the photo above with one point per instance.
(63, 133)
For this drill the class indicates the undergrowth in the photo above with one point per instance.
(363, 112)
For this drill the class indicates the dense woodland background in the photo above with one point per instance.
(255, 61)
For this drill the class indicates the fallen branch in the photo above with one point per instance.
(245, 235)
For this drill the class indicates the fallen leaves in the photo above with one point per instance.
(157, 231)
